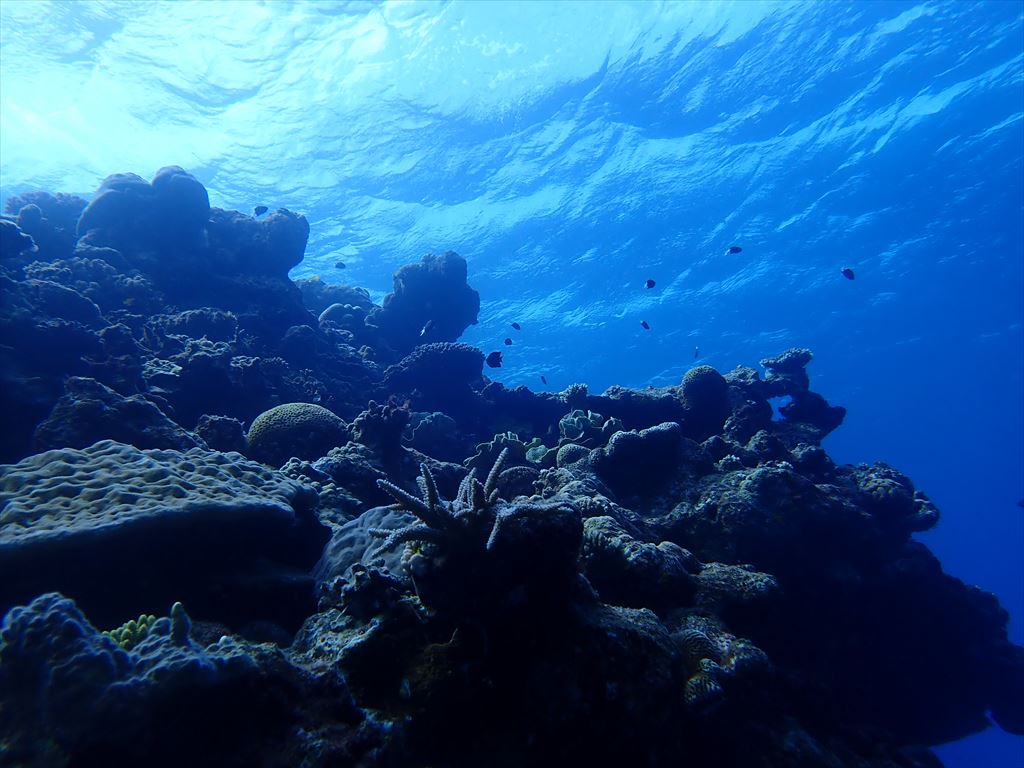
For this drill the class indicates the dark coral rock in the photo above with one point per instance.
(71, 696)
(748, 381)
(221, 433)
(119, 201)
(186, 203)
(133, 216)
(357, 469)
(437, 434)
(350, 321)
(99, 275)
(786, 372)
(304, 430)
(575, 396)
(50, 220)
(435, 290)
(381, 427)
(891, 499)
(812, 461)
(221, 259)
(717, 447)
(319, 296)
(89, 412)
(909, 668)
(365, 591)
(723, 588)
(1007, 702)
(183, 519)
(626, 571)
(302, 345)
(517, 481)
(118, 341)
(36, 352)
(638, 410)
(209, 323)
(353, 544)
(57, 301)
(13, 242)
(270, 246)
(266, 305)
(746, 419)
(771, 517)
(523, 554)
(571, 454)
(706, 397)
(812, 410)
(639, 463)
(440, 375)
(194, 376)
(521, 409)
(588, 685)
(767, 447)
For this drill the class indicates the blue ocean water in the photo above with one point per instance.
(571, 151)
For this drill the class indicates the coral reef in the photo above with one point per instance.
(641, 577)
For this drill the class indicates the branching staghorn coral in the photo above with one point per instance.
(447, 523)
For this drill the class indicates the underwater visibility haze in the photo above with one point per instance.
(720, 305)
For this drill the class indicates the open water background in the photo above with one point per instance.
(570, 151)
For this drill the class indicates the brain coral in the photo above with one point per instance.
(303, 430)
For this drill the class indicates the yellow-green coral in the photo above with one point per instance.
(132, 632)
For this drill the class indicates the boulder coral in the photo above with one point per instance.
(85, 521)
(304, 430)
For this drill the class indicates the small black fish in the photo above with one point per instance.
(426, 328)
(847, 273)
(650, 283)
(543, 380)
(645, 325)
(517, 326)
(508, 342)
(339, 265)
(494, 360)
(696, 352)
(733, 249)
(1020, 503)
(259, 210)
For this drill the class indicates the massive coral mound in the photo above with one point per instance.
(305, 430)
(125, 530)
(431, 301)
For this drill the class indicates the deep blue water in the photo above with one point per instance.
(572, 151)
